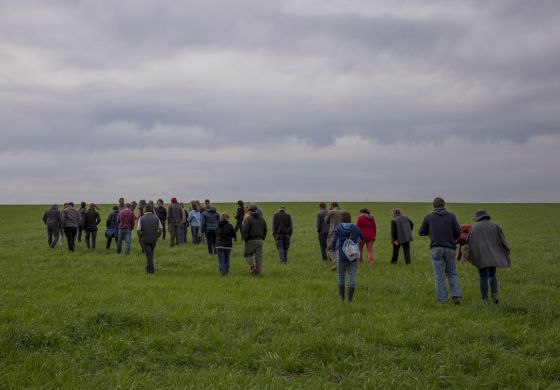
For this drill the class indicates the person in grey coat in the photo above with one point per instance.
(149, 229)
(488, 250)
(401, 235)
(52, 220)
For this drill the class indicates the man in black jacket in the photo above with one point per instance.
(90, 221)
(254, 232)
(282, 232)
(149, 229)
(444, 230)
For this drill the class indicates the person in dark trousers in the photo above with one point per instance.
(346, 230)
(52, 220)
(70, 221)
(161, 213)
(225, 234)
(333, 218)
(125, 223)
(209, 224)
(401, 236)
(90, 222)
(254, 232)
(149, 229)
(112, 230)
(82, 211)
(282, 231)
(322, 229)
(174, 221)
(488, 250)
(444, 230)
(239, 214)
(184, 225)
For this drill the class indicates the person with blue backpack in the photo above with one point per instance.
(345, 240)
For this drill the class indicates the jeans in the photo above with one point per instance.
(323, 244)
(443, 262)
(183, 239)
(406, 250)
(223, 260)
(351, 267)
(52, 233)
(211, 241)
(70, 233)
(93, 235)
(124, 234)
(175, 234)
(488, 276)
(195, 232)
(149, 248)
(282, 245)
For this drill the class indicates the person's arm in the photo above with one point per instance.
(265, 229)
(160, 228)
(456, 228)
(504, 243)
(97, 219)
(275, 224)
(203, 223)
(45, 218)
(424, 228)
(374, 229)
(394, 238)
(139, 228)
(318, 222)
(334, 239)
(411, 224)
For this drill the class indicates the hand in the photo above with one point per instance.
(396, 242)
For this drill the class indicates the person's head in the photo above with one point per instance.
(438, 202)
(133, 204)
(396, 212)
(322, 205)
(253, 208)
(142, 203)
(364, 211)
(71, 204)
(346, 217)
(160, 202)
(194, 205)
(92, 206)
(173, 200)
(83, 205)
(127, 206)
(282, 209)
(121, 201)
(480, 215)
(115, 208)
(151, 203)
(207, 202)
(54, 206)
(149, 208)
(240, 203)
(334, 205)
(224, 217)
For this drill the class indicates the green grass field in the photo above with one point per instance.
(96, 320)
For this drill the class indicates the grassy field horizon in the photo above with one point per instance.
(96, 320)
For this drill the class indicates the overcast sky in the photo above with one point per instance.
(280, 100)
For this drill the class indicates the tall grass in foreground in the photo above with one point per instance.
(96, 320)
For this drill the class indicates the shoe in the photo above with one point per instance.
(253, 270)
(456, 300)
(350, 293)
(341, 291)
(495, 299)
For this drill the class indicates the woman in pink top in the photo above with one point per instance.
(366, 224)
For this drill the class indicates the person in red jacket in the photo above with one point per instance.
(366, 224)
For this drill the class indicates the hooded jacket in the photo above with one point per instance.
(210, 219)
(91, 220)
(488, 246)
(225, 235)
(254, 228)
(282, 223)
(342, 232)
(442, 227)
(70, 217)
(52, 217)
(366, 224)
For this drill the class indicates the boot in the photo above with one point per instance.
(341, 291)
(350, 293)
(495, 299)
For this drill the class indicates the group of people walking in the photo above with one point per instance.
(340, 241)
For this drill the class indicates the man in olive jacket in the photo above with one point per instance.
(254, 232)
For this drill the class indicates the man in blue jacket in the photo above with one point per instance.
(444, 230)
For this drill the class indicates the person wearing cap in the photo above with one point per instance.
(91, 220)
(282, 231)
(70, 220)
(322, 229)
(175, 221)
(444, 230)
(149, 229)
(401, 236)
(254, 232)
(488, 250)
(51, 219)
(82, 210)
(125, 223)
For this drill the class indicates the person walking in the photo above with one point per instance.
(333, 218)
(184, 225)
(488, 250)
(121, 204)
(149, 229)
(254, 232)
(208, 226)
(195, 220)
(345, 239)
(112, 227)
(70, 221)
(225, 234)
(366, 223)
(161, 213)
(125, 223)
(282, 232)
(239, 214)
(175, 221)
(82, 210)
(52, 220)
(401, 236)
(322, 229)
(444, 230)
(91, 220)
